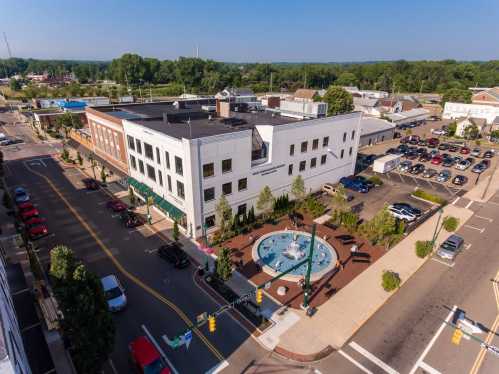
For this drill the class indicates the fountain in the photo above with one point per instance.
(294, 251)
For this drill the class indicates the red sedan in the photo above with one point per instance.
(34, 221)
(116, 205)
(465, 150)
(437, 160)
(27, 214)
(25, 206)
(37, 232)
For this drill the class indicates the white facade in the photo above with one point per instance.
(302, 109)
(331, 151)
(13, 358)
(459, 110)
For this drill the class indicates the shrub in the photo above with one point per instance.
(390, 280)
(314, 207)
(430, 197)
(349, 220)
(423, 248)
(376, 180)
(450, 223)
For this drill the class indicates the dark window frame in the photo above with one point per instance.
(290, 169)
(180, 190)
(209, 190)
(313, 162)
(323, 159)
(148, 151)
(179, 166)
(304, 146)
(224, 186)
(151, 171)
(239, 189)
(292, 150)
(224, 170)
(315, 144)
(302, 166)
(325, 141)
(212, 170)
(131, 142)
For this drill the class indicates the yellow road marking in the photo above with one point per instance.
(126, 273)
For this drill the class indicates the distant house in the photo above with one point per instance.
(489, 96)
(375, 130)
(462, 110)
(367, 106)
(464, 123)
(398, 104)
(306, 94)
(418, 115)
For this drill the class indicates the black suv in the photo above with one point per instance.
(173, 254)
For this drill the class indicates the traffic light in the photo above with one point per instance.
(212, 324)
(259, 296)
(456, 337)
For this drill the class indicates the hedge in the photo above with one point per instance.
(430, 197)
(390, 280)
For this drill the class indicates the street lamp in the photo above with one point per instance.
(435, 234)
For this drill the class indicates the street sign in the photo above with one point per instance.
(456, 337)
(267, 285)
(187, 338)
(491, 348)
(202, 317)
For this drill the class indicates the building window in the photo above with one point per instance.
(131, 142)
(148, 151)
(323, 159)
(160, 177)
(227, 165)
(241, 210)
(167, 159)
(344, 137)
(292, 150)
(169, 181)
(342, 153)
(141, 166)
(209, 221)
(304, 146)
(325, 141)
(158, 157)
(180, 190)
(353, 134)
(315, 144)
(302, 165)
(151, 172)
(290, 169)
(313, 162)
(139, 146)
(133, 162)
(208, 170)
(350, 151)
(242, 184)
(209, 194)
(227, 188)
(178, 166)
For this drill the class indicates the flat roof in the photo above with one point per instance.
(371, 125)
(202, 126)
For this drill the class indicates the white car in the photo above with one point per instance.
(402, 214)
(463, 165)
(438, 132)
(114, 293)
(476, 152)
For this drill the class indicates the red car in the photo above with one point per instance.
(37, 232)
(464, 150)
(90, 184)
(116, 205)
(25, 206)
(34, 221)
(437, 160)
(146, 358)
(27, 214)
(432, 142)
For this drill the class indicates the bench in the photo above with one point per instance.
(50, 312)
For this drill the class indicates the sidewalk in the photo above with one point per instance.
(491, 181)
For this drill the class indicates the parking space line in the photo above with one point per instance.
(432, 341)
(455, 201)
(475, 228)
(451, 265)
(427, 368)
(485, 218)
(373, 358)
(469, 204)
(358, 364)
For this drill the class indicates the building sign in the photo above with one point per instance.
(269, 170)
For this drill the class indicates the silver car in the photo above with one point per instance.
(449, 249)
(114, 293)
(443, 176)
(429, 173)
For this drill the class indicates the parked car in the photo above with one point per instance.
(27, 214)
(434, 153)
(485, 162)
(463, 165)
(429, 173)
(432, 142)
(90, 184)
(21, 195)
(443, 176)
(476, 152)
(401, 213)
(116, 205)
(443, 146)
(416, 169)
(414, 139)
(114, 293)
(451, 247)
(437, 160)
(34, 221)
(470, 159)
(405, 166)
(333, 190)
(459, 180)
(37, 232)
(479, 168)
(355, 185)
(453, 148)
(422, 142)
(412, 155)
(465, 150)
(25, 206)
(130, 219)
(364, 180)
(425, 157)
(488, 154)
(417, 212)
(438, 132)
(392, 151)
(174, 254)
(146, 358)
(448, 162)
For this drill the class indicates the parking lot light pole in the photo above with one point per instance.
(440, 212)
(308, 288)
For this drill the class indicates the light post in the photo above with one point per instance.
(435, 234)
(308, 288)
(149, 202)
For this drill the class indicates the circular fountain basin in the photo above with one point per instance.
(278, 251)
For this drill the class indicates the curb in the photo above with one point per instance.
(305, 358)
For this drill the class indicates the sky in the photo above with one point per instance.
(253, 30)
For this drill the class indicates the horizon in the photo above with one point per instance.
(263, 33)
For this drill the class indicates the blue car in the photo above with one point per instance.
(354, 184)
(21, 195)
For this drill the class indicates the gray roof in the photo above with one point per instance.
(371, 103)
(496, 121)
(371, 125)
(407, 114)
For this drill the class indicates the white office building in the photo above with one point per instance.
(461, 110)
(187, 160)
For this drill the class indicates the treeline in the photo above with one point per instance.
(207, 76)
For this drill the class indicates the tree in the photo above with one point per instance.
(15, 85)
(380, 227)
(131, 196)
(265, 200)
(223, 213)
(103, 174)
(471, 132)
(62, 262)
(339, 101)
(224, 264)
(456, 95)
(450, 223)
(176, 231)
(451, 128)
(93, 163)
(79, 158)
(423, 248)
(298, 188)
(347, 79)
(390, 280)
(68, 121)
(494, 134)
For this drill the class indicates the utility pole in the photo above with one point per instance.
(435, 234)
(271, 82)
(7, 44)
